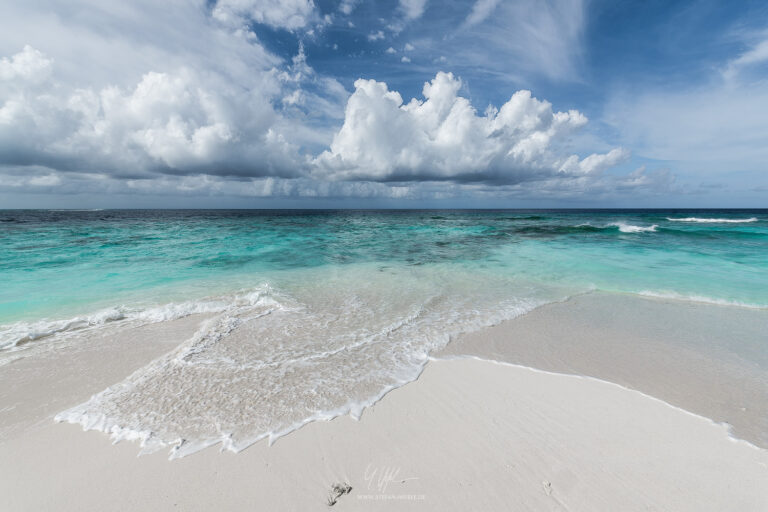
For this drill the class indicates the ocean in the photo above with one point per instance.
(312, 314)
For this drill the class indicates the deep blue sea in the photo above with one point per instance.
(315, 313)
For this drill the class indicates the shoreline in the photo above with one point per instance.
(458, 415)
(528, 340)
(703, 358)
(728, 428)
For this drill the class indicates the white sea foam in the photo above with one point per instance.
(19, 333)
(712, 220)
(330, 347)
(700, 298)
(625, 228)
(630, 228)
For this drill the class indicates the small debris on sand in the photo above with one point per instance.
(337, 491)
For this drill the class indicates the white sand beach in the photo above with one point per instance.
(469, 434)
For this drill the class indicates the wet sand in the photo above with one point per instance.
(708, 359)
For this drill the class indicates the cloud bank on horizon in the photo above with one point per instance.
(303, 100)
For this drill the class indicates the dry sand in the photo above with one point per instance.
(468, 435)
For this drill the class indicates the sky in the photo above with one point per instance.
(383, 104)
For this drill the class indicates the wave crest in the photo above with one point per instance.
(19, 333)
(699, 298)
(712, 220)
(631, 228)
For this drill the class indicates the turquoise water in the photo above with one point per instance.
(318, 313)
(64, 264)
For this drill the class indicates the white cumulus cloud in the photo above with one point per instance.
(181, 97)
(347, 6)
(375, 36)
(287, 14)
(178, 121)
(29, 65)
(442, 138)
(413, 9)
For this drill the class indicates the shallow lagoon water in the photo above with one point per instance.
(319, 313)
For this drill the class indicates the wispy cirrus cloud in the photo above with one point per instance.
(480, 11)
(530, 39)
(755, 55)
(717, 126)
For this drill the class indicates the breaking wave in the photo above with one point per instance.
(631, 228)
(19, 333)
(713, 220)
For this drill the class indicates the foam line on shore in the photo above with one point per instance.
(699, 299)
(19, 333)
(712, 220)
(179, 448)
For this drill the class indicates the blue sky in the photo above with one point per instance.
(295, 103)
